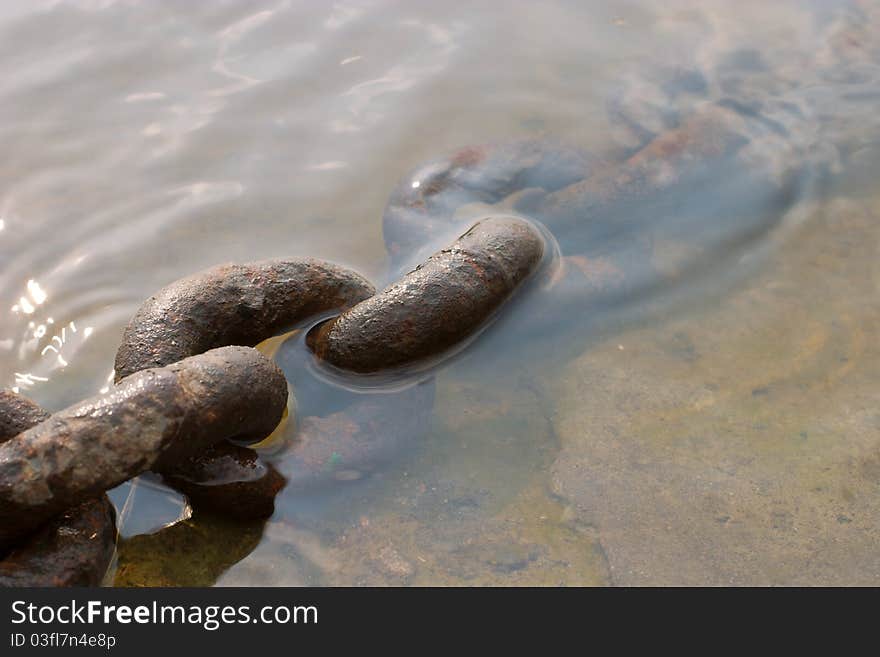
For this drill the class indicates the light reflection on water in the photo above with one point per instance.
(147, 141)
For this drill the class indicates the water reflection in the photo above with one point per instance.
(55, 347)
(28, 304)
(145, 505)
(186, 553)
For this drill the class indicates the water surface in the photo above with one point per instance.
(722, 427)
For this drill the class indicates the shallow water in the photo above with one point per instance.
(714, 420)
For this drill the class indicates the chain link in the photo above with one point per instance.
(187, 381)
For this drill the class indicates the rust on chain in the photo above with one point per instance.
(612, 211)
(156, 418)
(72, 549)
(17, 414)
(228, 479)
(234, 304)
(438, 304)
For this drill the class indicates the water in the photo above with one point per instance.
(711, 420)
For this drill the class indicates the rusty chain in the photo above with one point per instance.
(188, 379)
(188, 382)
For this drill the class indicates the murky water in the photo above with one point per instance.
(708, 416)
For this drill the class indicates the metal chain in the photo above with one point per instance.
(187, 381)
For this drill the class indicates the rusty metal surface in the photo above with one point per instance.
(155, 418)
(233, 305)
(612, 215)
(438, 304)
(17, 414)
(228, 479)
(72, 549)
